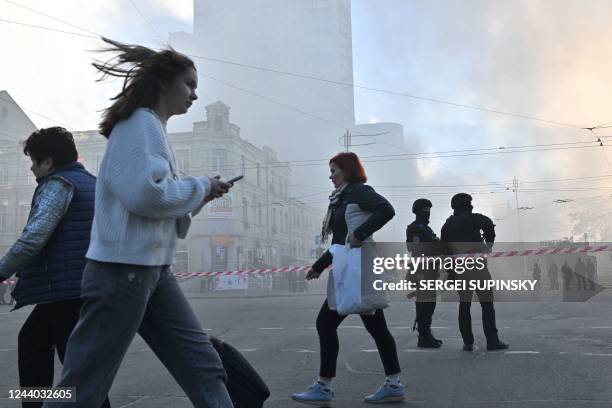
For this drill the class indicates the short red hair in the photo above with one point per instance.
(351, 167)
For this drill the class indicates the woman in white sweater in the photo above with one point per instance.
(142, 206)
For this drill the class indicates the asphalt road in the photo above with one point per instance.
(560, 355)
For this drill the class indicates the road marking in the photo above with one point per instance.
(600, 327)
(597, 354)
(350, 369)
(418, 351)
(299, 350)
(370, 351)
(352, 327)
(247, 350)
(522, 352)
(270, 328)
(8, 349)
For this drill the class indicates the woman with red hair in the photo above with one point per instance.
(351, 199)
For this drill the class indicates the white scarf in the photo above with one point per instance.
(334, 198)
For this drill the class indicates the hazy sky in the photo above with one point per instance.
(546, 59)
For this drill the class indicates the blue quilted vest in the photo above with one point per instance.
(55, 273)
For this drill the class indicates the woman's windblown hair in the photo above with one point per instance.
(145, 72)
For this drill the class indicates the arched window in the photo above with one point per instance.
(218, 123)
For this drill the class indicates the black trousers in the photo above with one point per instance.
(485, 297)
(424, 313)
(46, 329)
(327, 327)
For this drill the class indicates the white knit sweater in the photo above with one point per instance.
(139, 197)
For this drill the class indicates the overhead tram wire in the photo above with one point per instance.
(603, 151)
(146, 20)
(272, 100)
(434, 154)
(365, 159)
(38, 114)
(322, 119)
(48, 29)
(327, 121)
(342, 83)
(420, 155)
(54, 18)
(390, 92)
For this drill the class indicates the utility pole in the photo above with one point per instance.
(518, 223)
(268, 248)
(347, 140)
(518, 211)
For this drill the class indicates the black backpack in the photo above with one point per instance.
(245, 386)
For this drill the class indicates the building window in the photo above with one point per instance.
(219, 159)
(182, 259)
(3, 114)
(259, 214)
(3, 227)
(245, 213)
(243, 165)
(24, 213)
(274, 220)
(182, 160)
(218, 123)
(258, 174)
(27, 173)
(3, 175)
(219, 261)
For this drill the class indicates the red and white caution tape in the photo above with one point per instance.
(539, 252)
(243, 271)
(497, 254)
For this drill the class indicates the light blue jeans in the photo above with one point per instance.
(120, 300)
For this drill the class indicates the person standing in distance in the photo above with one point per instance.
(537, 274)
(421, 241)
(142, 207)
(468, 232)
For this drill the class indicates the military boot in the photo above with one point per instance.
(426, 340)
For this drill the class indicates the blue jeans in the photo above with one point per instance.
(120, 300)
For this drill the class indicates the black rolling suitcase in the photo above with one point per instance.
(245, 386)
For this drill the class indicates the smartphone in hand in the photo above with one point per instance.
(235, 179)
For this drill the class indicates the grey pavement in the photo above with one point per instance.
(560, 355)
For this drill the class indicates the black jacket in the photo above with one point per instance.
(469, 227)
(421, 240)
(367, 200)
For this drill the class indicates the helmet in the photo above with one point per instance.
(461, 200)
(420, 204)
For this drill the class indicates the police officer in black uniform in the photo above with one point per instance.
(420, 240)
(467, 232)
